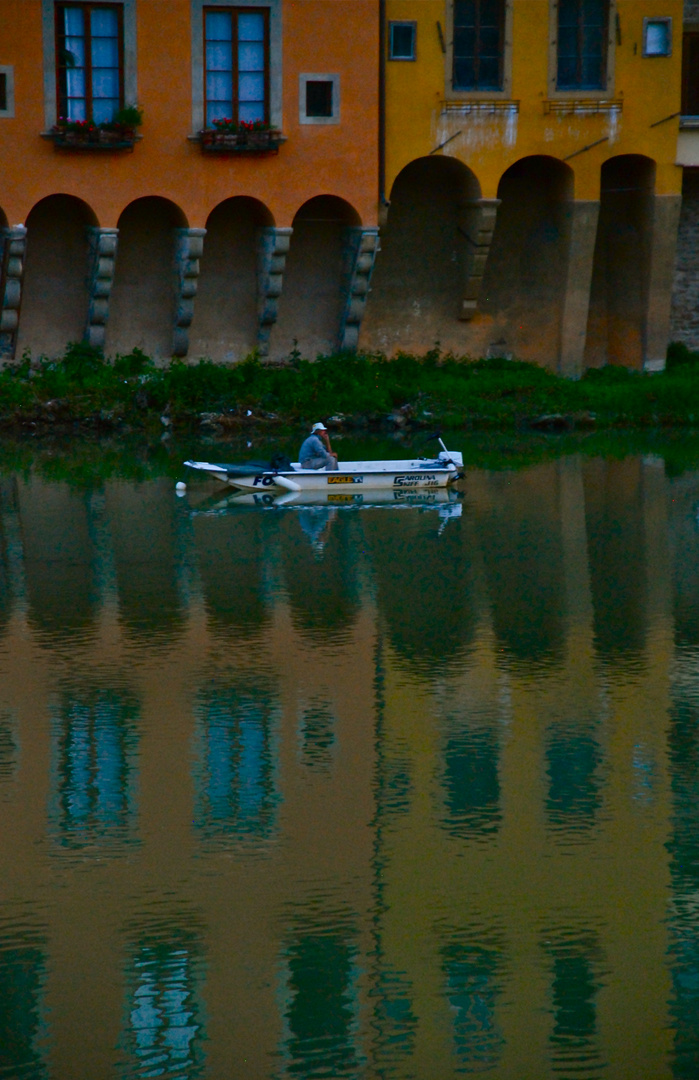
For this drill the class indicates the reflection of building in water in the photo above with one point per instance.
(235, 777)
(231, 552)
(323, 593)
(146, 557)
(317, 733)
(6, 499)
(618, 557)
(94, 769)
(412, 563)
(165, 1033)
(463, 802)
(519, 532)
(529, 749)
(9, 747)
(683, 752)
(59, 559)
(684, 870)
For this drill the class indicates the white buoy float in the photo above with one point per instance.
(180, 487)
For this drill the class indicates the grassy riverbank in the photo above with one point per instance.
(361, 391)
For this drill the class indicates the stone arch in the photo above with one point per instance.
(311, 305)
(55, 292)
(524, 281)
(421, 272)
(618, 295)
(226, 317)
(144, 295)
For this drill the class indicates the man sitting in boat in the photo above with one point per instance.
(317, 454)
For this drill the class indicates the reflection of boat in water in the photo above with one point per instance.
(318, 509)
(446, 500)
(412, 475)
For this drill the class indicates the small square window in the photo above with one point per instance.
(7, 95)
(401, 40)
(319, 97)
(657, 37)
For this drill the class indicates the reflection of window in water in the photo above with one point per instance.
(164, 1028)
(393, 1021)
(472, 783)
(573, 758)
(317, 734)
(22, 976)
(575, 983)
(321, 1012)
(9, 747)
(235, 772)
(394, 788)
(644, 773)
(472, 984)
(94, 769)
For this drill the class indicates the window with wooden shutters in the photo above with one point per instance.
(582, 44)
(89, 61)
(690, 74)
(237, 64)
(478, 47)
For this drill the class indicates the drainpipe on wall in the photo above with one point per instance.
(383, 205)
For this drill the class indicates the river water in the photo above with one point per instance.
(404, 791)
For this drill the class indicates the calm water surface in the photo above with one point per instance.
(393, 792)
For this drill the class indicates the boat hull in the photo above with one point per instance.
(350, 477)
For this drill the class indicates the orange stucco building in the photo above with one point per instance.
(523, 159)
(306, 69)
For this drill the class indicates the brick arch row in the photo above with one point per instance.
(117, 288)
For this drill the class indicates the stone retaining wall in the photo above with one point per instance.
(685, 297)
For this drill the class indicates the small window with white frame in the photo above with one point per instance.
(319, 99)
(657, 37)
(402, 40)
(7, 91)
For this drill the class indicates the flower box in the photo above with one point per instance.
(93, 138)
(239, 142)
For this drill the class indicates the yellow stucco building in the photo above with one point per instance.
(530, 146)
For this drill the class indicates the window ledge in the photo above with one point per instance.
(259, 142)
(104, 141)
(689, 123)
(582, 106)
(480, 106)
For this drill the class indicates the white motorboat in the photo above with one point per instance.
(415, 474)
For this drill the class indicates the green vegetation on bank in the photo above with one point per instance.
(364, 390)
